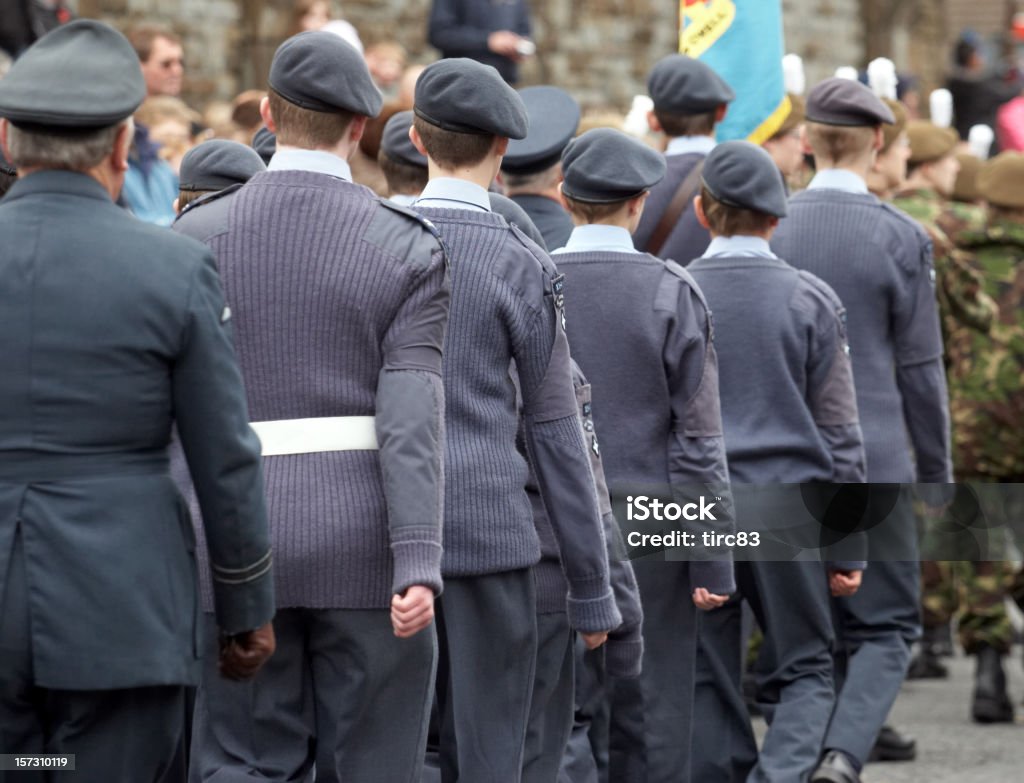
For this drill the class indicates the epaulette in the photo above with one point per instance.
(418, 218)
(545, 260)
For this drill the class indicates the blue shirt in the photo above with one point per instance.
(317, 161)
(598, 238)
(685, 145)
(838, 179)
(451, 193)
(402, 199)
(739, 246)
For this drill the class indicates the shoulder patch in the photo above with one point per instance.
(532, 247)
(405, 234)
(679, 271)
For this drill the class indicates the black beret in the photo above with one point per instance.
(681, 85)
(554, 118)
(83, 74)
(265, 144)
(604, 166)
(847, 102)
(465, 96)
(396, 144)
(319, 71)
(741, 174)
(218, 164)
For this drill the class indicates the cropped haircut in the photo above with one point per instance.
(186, 197)
(839, 143)
(453, 150)
(74, 151)
(538, 180)
(728, 221)
(307, 129)
(686, 124)
(402, 178)
(590, 212)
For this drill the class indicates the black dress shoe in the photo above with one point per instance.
(835, 768)
(890, 745)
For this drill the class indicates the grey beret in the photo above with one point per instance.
(839, 101)
(395, 142)
(265, 144)
(743, 175)
(605, 165)
(218, 164)
(83, 74)
(465, 96)
(554, 118)
(319, 71)
(681, 85)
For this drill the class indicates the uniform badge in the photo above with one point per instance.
(226, 315)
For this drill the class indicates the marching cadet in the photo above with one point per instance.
(986, 393)
(789, 413)
(889, 170)
(115, 330)
(878, 261)
(507, 306)
(690, 99)
(785, 146)
(340, 304)
(406, 173)
(641, 331)
(531, 170)
(567, 672)
(210, 172)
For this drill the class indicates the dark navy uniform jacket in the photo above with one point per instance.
(113, 330)
(459, 28)
(553, 222)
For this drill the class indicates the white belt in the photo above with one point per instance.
(306, 436)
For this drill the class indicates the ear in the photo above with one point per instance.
(4, 125)
(698, 210)
(652, 122)
(720, 112)
(805, 143)
(417, 141)
(266, 116)
(500, 146)
(636, 205)
(879, 139)
(174, 206)
(122, 147)
(357, 128)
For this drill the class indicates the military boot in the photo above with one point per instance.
(926, 663)
(991, 702)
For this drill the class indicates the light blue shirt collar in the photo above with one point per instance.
(402, 199)
(739, 246)
(451, 193)
(598, 238)
(838, 179)
(682, 145)
(317, 161)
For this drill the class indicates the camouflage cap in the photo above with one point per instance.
(999, 181)
(966, 188)
(929, 142)
(892, 132)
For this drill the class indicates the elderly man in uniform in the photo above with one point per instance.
(507, 320)
(690, 99)
(878, 260)
(342, 302)
(532, 168)
(114, 331)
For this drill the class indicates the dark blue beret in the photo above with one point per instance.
(319, 71)
(741, 174)
(465, 96)
(681, 85)
(218, 164)
(605, 165)
(554, 119)
(265, 144)
(83, 74)
(839, 101)
(395, 142)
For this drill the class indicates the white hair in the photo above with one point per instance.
(69, 150)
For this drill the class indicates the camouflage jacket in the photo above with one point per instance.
(959, 217)
(962, 303)
(986, 374)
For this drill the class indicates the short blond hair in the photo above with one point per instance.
(839, 143)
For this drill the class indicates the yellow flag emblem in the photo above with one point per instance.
(703, 23)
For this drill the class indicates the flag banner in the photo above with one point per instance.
(742, 41)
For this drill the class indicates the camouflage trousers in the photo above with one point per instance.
(977, 529)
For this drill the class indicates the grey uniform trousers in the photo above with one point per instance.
(652, 716)
(795, 689)
(128, 735)
(551, 708)
(586, 755)
(342, 697)
(487, 633)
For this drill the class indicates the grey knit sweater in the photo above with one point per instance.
(504, 310)
(331, 291)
